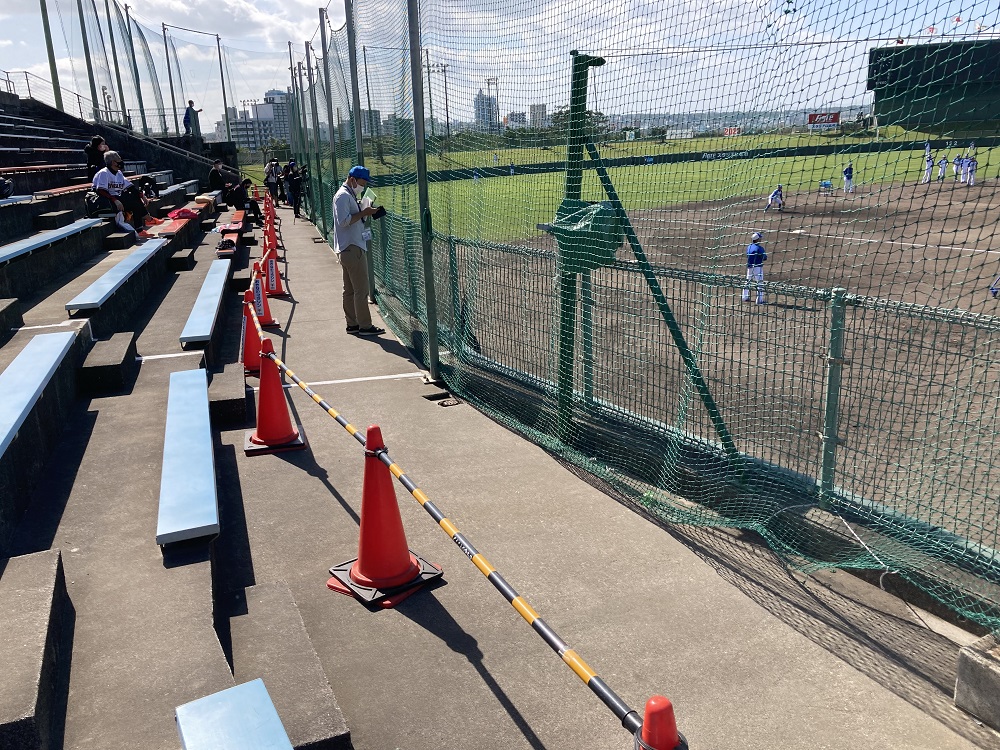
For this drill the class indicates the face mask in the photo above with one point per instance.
(358, 191)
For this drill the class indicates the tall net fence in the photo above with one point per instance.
(598, 177)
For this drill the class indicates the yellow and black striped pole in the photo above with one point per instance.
(630, 719)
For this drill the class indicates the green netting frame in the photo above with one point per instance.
(862, 399)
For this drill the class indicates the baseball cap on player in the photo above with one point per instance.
(756, 236)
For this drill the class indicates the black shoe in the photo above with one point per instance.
(372, 331)
(353, 329)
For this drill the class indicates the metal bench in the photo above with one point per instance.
(190, 186)
(172, 189)
(201, 321)
(26, 246)
(101, 290)
(25, 378)
(240, 718)
(15, 199)
(189, 507)
(69, 189)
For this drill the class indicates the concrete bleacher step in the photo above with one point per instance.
(227, 397)
(10, 318)
(182, 260)
(36, 625)
(110, 366)
(270, 642)
(56, 219)
(119, 240)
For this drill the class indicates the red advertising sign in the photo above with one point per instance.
(824, 120)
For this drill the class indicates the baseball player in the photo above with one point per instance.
(956, 165)
(972, 164)
(755, 268)
(942, 168)
(966, 162)
(928, 167)
(777, 197)
(849, 178)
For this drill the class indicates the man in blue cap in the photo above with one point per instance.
(351, 237)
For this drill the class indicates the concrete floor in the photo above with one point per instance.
(752, 655)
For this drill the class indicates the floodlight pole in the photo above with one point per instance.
(135, 72)
(90, 65)
(222, 75)
(170, 79)
(426, 228)
(52, 56)
(118, 73)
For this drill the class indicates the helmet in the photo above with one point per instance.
(756, 236)
(779, 187)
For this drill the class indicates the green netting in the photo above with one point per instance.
(852, 419)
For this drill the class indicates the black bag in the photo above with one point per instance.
(6, 187)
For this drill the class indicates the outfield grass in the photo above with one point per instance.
(506, 209)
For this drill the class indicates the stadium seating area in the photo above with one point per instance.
(97, 321)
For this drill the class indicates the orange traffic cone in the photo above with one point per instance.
(260, 299)
(250, 356)
(275, 431)
(385, 572)
(659, 727)
(256, 193)
(273, 288)
(272, 235)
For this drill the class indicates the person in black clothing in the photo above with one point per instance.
(218, 180)
(95, 151)
(240, 198)
(293, 185)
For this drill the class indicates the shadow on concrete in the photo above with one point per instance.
(233, 562)
(38, 526)
(881, 638)
(59, 695)
(190, 552)
(425, 610)
(150, 305)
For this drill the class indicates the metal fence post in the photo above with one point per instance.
(317, 211)
(426, 228)
(831, 398)
(587, 324)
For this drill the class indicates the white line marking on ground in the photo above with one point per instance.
(356, 380)
(168, 356)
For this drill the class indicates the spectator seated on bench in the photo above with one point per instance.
(239, 197)
(24, 379)
(101, 290)
(113, 191)
(201, 322)
(189, 507)
(222, 721)
(231, 235)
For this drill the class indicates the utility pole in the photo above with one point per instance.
(52, 57)
(430, 89)
(135, 72)
(170, 79)
(118, 74)
(90, 66)
(222, 75)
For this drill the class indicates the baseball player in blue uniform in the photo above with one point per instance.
(956, 165)
(942, 168)
(776, 197)
(928, 166)
(849, 178)
(755, 268)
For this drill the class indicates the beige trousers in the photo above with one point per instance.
(355, 266)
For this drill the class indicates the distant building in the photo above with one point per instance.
(538, 117)
(276, 108)
(517, 120)
(487, 112)
(371, 120)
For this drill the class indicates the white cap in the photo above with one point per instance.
(756, 237)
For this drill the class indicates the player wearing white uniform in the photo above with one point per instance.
(776, 198)
(928, 166)
(972, 170)
(849, 178)
(942, 168)
(755, 268)
(956, 165)
(966, 162)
